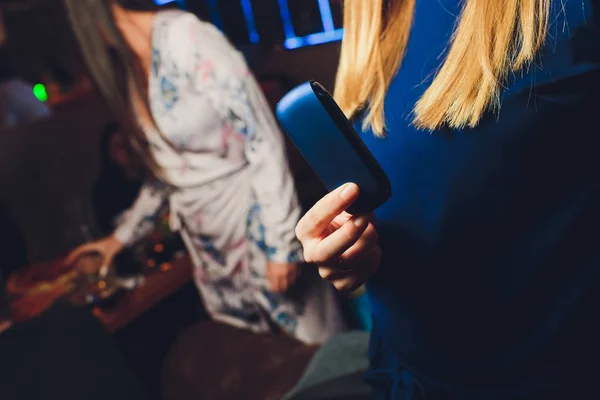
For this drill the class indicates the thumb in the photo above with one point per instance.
(73, 255)
(320, 216)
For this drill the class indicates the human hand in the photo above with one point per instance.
(108, 247)
(343, 246)
(281, 276)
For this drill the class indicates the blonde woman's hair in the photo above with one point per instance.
(492, 38)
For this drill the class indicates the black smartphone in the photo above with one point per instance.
(333, 149)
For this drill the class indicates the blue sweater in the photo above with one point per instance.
(491, 245)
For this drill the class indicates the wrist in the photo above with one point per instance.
(286, 256)
(114, 244)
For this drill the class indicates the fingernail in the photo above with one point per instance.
(360, 222)
(349, 191)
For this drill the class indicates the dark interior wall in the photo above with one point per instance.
(314, 62)
(40, 41)
(47, 169)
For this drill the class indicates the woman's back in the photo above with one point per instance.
(490, 254)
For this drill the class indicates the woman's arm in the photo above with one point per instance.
(139, 220)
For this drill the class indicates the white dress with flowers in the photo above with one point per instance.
(230, 190)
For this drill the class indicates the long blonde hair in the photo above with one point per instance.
(492, 38)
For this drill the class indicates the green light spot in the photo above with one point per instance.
(39, 91)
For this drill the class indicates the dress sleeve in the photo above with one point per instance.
(272, 183)
(139, 220)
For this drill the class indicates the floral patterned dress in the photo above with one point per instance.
(230, 190)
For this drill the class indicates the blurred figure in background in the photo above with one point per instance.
(121, 178)
(215, 153)
(18, 104)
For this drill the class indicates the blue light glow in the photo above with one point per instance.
(163, 2)
(314, 39)
(329, 33)
(286, 18)
(326, 15)
(214, 14)
(293, 43)
(250, 23)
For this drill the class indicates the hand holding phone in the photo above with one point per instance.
(344, 247)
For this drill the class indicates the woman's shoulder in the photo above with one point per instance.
(181, 28)
(183, 39)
